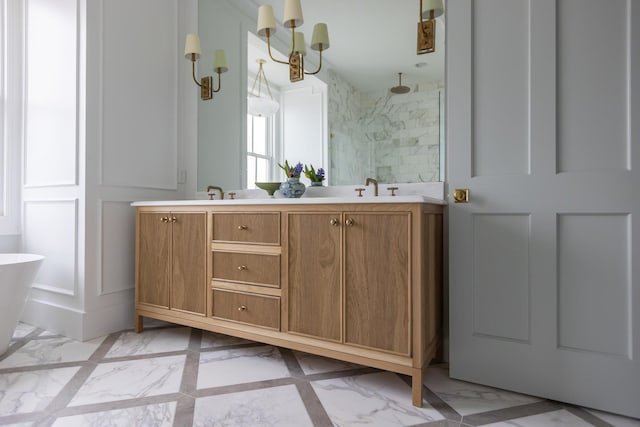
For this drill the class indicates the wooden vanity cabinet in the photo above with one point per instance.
(360, 282)
(171, 261)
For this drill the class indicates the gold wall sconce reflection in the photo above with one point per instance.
(293, 19)
(192, 52)
(429, 11)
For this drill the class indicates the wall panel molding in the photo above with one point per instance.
(116, 247)
(138, 95)
(51, 228)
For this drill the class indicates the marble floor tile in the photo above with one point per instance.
(22, 330)
(561, 418)
(242, 365)
(381, 399)
(211, 339)
(53, 350)
(115, 381)
(151, 341)
(312, 364)
(278, 406)
(467, 398)
(23, 392)
(159, 415)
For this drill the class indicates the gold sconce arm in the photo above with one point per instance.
(268, 35)
(310, 73)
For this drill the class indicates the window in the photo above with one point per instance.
(260, 150)
(11, 40)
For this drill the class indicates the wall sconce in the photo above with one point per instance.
(192, 52)
(429, 11)
(258, 105)
(293, 19)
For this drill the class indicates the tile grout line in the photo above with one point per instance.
(185, 406)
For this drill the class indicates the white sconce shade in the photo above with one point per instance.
(192, 46)
(320, 38)
(432, 5)
(292, 14)
(299, 44)
(220, 61)
(266, 20)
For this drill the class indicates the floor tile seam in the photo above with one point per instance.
(105, 346)
(70, 389)
(133, 357)
(340, 374)
(585, 415)
(245, 387)
(313, 405)
(114, 405)
(21, 418)
(436, 402)
(511, 413)
(45, 367)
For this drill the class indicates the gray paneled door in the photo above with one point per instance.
(543, 107)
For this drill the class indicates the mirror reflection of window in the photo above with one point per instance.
(260, 150)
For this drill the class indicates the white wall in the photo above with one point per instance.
(124, 134)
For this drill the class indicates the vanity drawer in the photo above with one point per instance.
(262, 228)
(247, 308)
(255, 269)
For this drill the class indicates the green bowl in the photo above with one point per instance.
(269, 187)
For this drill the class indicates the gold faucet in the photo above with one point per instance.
(375, 185)
(215, 187)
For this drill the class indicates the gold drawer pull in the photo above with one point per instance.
(242, 308)
(242, 227)
(242, 267)
(174, 219)
(349, 222)
(164, 219)
(333, 221)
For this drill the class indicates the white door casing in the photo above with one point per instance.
(541, 101)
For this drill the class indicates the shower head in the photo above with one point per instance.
(400, 89)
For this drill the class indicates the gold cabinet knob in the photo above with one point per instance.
(242, 308)
(164, 219)
(349, 222)
(461, 195)
(174, 219)
(242, 227)
(242, 267)
(334, 221)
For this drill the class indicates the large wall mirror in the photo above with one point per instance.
(363, 129)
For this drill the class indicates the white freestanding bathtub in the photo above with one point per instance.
(17, 272)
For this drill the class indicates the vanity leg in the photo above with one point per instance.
(137, 323)
(416, 387)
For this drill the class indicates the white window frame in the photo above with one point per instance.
(270, 156)
(12, 90)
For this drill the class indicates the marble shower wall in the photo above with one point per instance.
(393, 138)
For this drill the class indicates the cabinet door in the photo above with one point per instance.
(154, 237)
(377, 281)
(314, 255)
(189, 265)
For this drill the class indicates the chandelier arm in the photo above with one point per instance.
(219, 83)
(193, 69)
(310, 73)
(269, 49)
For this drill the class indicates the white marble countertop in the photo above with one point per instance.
(300, 201)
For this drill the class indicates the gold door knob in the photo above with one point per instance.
(242, 308)
(242, 227)
(461, 195)
(242, 267)
(333, 221)
(349, 222)
(174, 219)
(164, 219)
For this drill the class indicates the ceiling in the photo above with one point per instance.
(371, 42)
